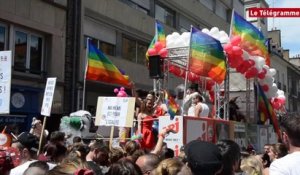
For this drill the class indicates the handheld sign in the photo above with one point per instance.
(5, 81)
(48, 96)
(115, 111)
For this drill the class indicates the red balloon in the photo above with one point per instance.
(236, 50)
(236, 40)
(265, 88)
(163, 53)
(228, 48)
(152, 52)
(158, 46)
(252, 62)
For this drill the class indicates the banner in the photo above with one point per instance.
(115, 111)
(48, 96)
(174, 139)
(5, 81)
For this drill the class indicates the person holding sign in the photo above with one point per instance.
(145, 122)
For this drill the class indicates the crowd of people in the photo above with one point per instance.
(149, 154)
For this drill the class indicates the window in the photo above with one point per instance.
(134, 50)
(221, 10)
(165, 15)
(28, 52)
(185, 24)
(208, 3)
(141, 5)
(3, 34)
(106, 48)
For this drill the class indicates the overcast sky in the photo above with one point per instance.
(290, 27)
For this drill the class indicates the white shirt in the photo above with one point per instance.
(287, 165)
(205, 110)
(19, 170)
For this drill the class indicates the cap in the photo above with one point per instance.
(29, 141)
(203, 156)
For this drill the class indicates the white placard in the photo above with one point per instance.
(174, 140)
(5, 81)
(115, 111)
(48, 96)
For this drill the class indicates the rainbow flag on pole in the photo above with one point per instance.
(160, 36)
(265, 109)
(100, 68)
(252, 40)
(171, 105)
(206, 56)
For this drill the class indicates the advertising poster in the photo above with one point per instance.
(5, 81)
(198, 129)
(173, 140)
(222, 130)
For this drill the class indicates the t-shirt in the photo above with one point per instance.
(205, 110)
(19, 170)
(287, 165)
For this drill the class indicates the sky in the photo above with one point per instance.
(290, 27)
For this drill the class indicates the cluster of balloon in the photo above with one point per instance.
(121, 92)
(217, 34)
(175, 40)
(158, 49)
(254, 66)
(179, 72)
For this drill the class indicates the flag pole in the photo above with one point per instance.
(187, 65)
(85, 71)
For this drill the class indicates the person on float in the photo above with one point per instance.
(187, 101)
(145, 122)
(198, 108)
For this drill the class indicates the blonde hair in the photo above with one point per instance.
(252, 166)
(169, 167)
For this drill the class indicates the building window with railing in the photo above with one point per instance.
(221, 10)
(28, 51)
(208, 3)
(134, 50)
(165, 15)
(141, 5)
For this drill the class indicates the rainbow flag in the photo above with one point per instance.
(159, 37)
(252, 40)
(100, 68)
(265, 110)
(206, 56)
(171, 105)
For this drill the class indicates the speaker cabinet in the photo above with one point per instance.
(156, 67)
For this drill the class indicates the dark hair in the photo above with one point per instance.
(124, 167)
(131, 147)
(55, 151)
(231, 154)
(167, 153)
(265, 158)
(77, 139)
(291, 126)
(57, 136)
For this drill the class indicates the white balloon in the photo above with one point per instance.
(223, 34)
(214, 30)
(224, 40)
(245, 56)
(272, 72)
(205, 30)
(268, 80)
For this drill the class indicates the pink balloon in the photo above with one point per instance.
(158, 46)
(228, 48)
(236, 40)
(237, 50)
(152, 51)
(163, 53)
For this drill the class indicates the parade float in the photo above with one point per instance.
(206, 57)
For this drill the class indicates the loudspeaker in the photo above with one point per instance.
(156, 67)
